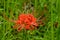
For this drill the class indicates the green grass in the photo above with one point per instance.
(12, 8)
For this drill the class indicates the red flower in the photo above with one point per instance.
(25, 21)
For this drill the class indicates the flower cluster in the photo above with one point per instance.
(25, 21)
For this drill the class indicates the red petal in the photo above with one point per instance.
(19, 28)
(27, 27)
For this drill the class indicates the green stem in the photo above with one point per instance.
(52, 31)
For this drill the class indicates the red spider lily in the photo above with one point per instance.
(25, 21)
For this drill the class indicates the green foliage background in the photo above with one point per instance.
(12, 8)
